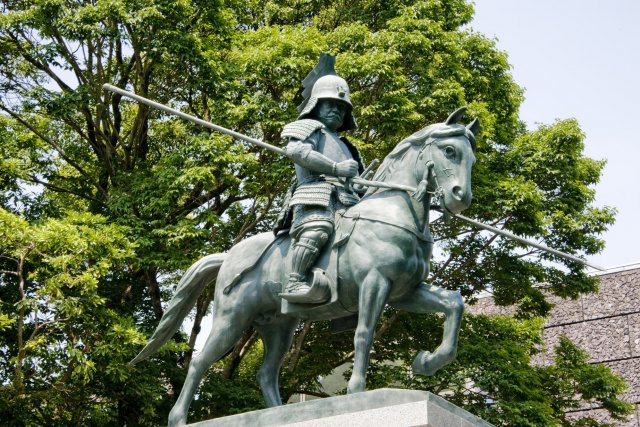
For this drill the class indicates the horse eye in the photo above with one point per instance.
(449, 151)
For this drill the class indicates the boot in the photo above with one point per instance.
(298, 290)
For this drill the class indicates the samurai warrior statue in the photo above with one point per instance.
(324, 162)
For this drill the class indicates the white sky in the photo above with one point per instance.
(580, 59)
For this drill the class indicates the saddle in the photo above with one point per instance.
(325, 278)
(341, 305)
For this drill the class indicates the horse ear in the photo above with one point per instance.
(455, 116)
(474, 126)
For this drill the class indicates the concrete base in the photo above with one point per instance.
(383, 407)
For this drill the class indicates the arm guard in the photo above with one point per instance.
(303, 154)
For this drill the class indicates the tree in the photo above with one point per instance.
(164, 192)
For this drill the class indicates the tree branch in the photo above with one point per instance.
(295, 355)
(220, 208)
(13, 273)
(382, 329)
(53, 187)
(237, 353)
(36, 63)
(18, 374)
(194, 200)
(91, 128)
(66, 54)
(249, 225)
(201, 310)
(154, 292)
(41, 326)
(55, 146)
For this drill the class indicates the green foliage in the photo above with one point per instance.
(62, 326)
(493, 375)
(541, 187)
(241, 392)
(105, 202)
(573, 381)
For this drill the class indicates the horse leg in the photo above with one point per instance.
(431, 299)
(228, 326)
(276, 337)
(374, 291)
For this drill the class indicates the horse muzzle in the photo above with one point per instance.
(457, 199)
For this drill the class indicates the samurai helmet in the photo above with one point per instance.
(323, 83)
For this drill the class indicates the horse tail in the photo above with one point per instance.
(191, 285)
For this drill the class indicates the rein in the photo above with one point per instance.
(478, 224)
(423, 181)
(413, 191)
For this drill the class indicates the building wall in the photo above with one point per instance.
(605, 324)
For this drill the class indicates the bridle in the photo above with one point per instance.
(437, 193)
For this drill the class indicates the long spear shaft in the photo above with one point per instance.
(525, 241)
(361, 181)
(191, 118)
(482, 225)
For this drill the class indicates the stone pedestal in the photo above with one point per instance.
(383, 407)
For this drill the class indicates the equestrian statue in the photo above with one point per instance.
(343, 246)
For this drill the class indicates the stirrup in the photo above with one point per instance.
(302, 293)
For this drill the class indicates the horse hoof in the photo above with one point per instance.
(422, 364)
(418, 366)
(176, 421)
(355, 386)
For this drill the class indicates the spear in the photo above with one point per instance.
(209, 125)
(359, 181)
(523, 240)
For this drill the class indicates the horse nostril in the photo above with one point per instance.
(457, 192)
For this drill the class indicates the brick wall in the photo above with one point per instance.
(606, 325)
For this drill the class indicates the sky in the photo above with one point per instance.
(580, 59)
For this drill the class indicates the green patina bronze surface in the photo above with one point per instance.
(382, 257)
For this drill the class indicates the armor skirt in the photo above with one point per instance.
(318, 202)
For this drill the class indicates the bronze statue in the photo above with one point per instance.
(380, 252)
(334, 255)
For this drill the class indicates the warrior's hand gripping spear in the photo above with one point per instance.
(358, 181)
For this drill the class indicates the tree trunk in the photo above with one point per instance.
(238, 352)
(154, 292)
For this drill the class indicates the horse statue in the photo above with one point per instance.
(380, 252)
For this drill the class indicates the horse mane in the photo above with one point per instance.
(422, 137)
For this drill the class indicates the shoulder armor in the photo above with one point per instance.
(301, 129)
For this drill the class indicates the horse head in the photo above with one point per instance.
(438, 160)
(448, 157)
